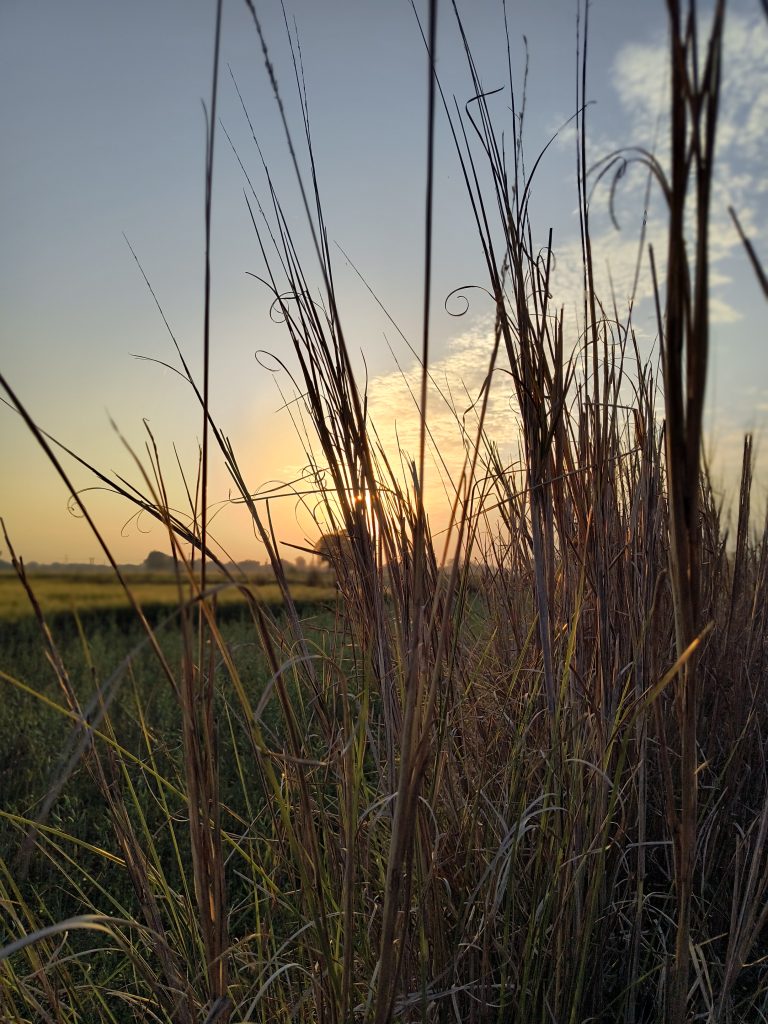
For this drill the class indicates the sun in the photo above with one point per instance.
(364, 500)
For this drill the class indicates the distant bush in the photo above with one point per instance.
(157, 561)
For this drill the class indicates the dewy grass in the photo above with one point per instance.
(523, 783)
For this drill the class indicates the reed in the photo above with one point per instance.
(514, 775)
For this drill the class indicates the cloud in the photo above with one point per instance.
(641, 80)
(621, 264)
(720, 312)
(724, 446)
(456, 382)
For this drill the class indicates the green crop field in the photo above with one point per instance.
(38, 733)
(59, 593)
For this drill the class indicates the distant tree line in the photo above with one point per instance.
(158, 561)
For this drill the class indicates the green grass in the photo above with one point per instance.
(34, 727)
(60, 593)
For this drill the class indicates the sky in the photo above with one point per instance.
(101, 106)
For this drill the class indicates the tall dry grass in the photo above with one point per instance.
(523, 783)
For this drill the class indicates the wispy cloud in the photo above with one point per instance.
(640, 78)
(456, 382)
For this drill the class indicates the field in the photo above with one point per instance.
(61, 592)
(516, 775)
(78, 865)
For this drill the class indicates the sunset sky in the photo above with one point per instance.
(103, 134)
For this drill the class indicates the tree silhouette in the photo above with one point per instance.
(335, 549)
(156, 561)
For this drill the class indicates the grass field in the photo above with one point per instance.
(77, 865)
(62, 593)
(527, 784)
